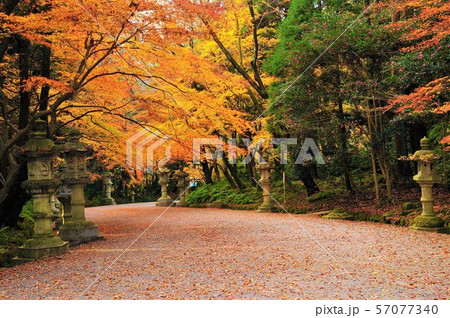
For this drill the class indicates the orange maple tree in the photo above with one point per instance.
(425, 29)
(118, 67)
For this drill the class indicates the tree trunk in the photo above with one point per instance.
(250, 170)
(305, 176)
(404, 170)
(12, 196)
(207, 171)
(444, 153)
(228, 177)
(24, 69)
(344, 148)
(234, 173)
(374, 175)
(373, 154)
(215, 172)
(45, 72)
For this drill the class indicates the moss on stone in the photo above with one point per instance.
(415, 213)
(376, 218)
(6, 255)
(77, 225)
(428, 222)
(43, 242)
(338, 214)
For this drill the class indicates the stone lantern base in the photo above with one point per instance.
(40, 247)
(109, 201)
(266, 208)
(79, 232)
(429, 224)
(164, 202)
(182, 204)
(338, 214)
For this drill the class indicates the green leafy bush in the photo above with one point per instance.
(95, 200)
(221, 191)
(12, 237)
(321, 196)
(27, 211)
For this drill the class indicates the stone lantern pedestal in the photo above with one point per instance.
(56, 209)
(164, 200)
(426, 177)
(41, 184)
(108, 200)
(64, 196)
(182, 187)
(264, 170)
(77, 229)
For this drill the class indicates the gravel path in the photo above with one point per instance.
(225, 254)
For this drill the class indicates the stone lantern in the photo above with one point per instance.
(41, 184)
(164, 200)
(108, 200)
(77, 230)
(190, 184)
(426, 177)
(64, 195)
(182, 187)
(264, 170)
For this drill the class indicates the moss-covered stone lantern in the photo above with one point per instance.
(426, 178)
(77, 230)
(164, 200)
(108, 200)
(41, 184)
(182, 184)
(264, 170)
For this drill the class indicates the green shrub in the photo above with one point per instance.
(26, 227)
(96, 200)
(321, 196)
(221, 191)
(295, 210)
(406, 206)
(12, 237)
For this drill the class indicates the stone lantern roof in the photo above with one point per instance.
(180, 174)
(164, 170)
(38, 146)
(265, 165)
(425, 154)
(74, 152)
(74, 144)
